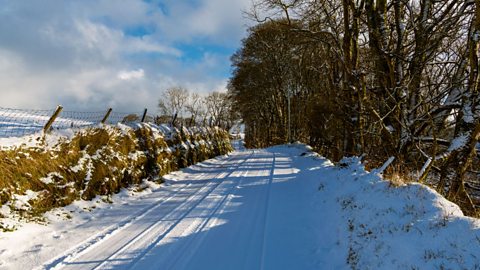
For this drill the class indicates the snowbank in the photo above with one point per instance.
(371, 224)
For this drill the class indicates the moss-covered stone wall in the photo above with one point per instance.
(99, 161)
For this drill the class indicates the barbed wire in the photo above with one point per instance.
(20, 122)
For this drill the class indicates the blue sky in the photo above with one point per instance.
(93, 54)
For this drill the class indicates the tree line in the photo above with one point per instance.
(377, 78)
(180, 107)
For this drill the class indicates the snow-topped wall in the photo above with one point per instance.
(43, 173)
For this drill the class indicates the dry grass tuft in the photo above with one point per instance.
(398, 177)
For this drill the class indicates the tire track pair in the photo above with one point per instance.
(185, 215)
(186, 251)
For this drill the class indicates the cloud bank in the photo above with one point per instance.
(93, 54)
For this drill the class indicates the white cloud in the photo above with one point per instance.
(90, 54)
(147, 45)
(131, 74)
(217, 21)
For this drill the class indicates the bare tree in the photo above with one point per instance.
(172, 103)
(218, 108)
(195, 107)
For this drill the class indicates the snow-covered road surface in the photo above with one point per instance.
(277, 208)
(227, 214)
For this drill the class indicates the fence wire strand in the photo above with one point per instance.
(19, 122)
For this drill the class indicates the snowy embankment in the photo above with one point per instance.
(278, 208)
(372, 224)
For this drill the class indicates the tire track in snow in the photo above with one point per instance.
(154, 228)
(265, 216)
(187, 250)
(177, 249)
(146, 250)
(122, 225)
(104, 234)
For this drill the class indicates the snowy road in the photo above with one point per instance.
(229, 214)
(277, 208)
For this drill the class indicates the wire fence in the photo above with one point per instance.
(19, 122)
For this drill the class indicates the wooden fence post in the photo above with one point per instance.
(52, 119)
(144, 115)
(106, 116)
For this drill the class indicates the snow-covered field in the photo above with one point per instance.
(277, 208)
(18, 123)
